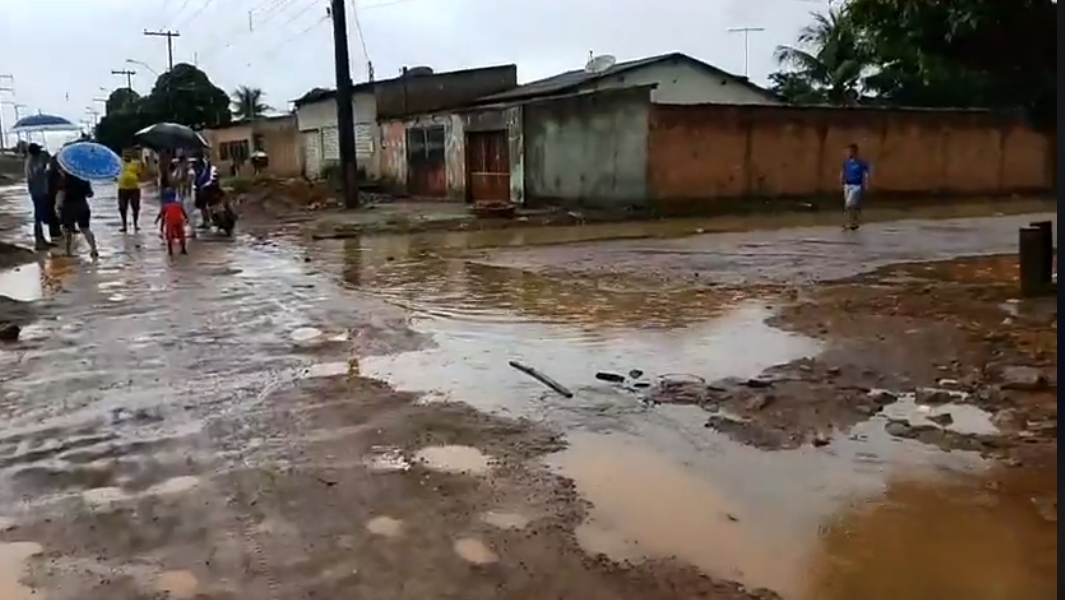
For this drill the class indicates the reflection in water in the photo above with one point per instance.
(23, 283)
(931, 540)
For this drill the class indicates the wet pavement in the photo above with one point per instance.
(149, 378)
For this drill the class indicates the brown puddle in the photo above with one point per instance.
(13, 558)
(929, 534)
(454, 459)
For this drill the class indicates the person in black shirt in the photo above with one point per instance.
(74, 211)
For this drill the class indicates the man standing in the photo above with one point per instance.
(43, 210)
(855, 179)
(129, 191)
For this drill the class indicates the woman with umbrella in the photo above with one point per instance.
(80, 163)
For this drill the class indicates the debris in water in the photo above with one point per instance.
(9, 332)
(611, 377)
(474, 551)
(544, 379)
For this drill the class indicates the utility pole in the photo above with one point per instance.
(746, 31)
(169, 35)
(127, 74)
(345, 110)
(11, 89)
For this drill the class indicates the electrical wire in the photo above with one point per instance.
(270, 53)
(238, 39)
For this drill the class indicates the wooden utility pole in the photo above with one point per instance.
(169, 35)
(345, 111)
(127, 74)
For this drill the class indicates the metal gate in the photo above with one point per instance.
(487, 166)
(426, 171)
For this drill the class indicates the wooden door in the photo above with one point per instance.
(487, 166)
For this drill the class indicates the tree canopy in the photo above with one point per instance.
(248, 103)
(184, 95)
(961, 53)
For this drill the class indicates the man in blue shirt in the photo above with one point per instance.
(855, 179)
(43, 210)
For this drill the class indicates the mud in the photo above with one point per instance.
(272, 420)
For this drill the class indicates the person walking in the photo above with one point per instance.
(73, 207)
(129, 191)
(207, 190)
(43, 212)
(855, 179)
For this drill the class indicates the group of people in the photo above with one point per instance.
(187, 187)
(60, 202)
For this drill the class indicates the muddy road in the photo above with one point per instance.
(272, 419)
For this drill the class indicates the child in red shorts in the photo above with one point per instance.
(173, 218)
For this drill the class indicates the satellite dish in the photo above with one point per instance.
(598, 64)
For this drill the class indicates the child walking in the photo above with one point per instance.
(173, 218)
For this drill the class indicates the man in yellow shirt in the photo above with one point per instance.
(129, 190)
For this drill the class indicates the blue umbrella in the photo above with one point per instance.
(42, 122)
(89, 161)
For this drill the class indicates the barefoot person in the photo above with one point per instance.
(855, 179)
(43, 211)
(72, 205)
(129, 191)
(173, 217)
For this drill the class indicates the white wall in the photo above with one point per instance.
(322, 117)
(683, 83)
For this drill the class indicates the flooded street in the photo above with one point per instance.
(274, 419)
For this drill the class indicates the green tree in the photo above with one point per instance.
(121, 99)
(827, 64)
(186, 95)
(1010, 47)
(248, 103)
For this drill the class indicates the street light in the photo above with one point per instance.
(142, 64)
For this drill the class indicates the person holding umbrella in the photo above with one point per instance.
(80, 163)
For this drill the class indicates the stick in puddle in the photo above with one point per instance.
(544, 379)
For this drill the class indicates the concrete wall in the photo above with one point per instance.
(318, 121)
(280, 141)
(681, 82)
(706, 151)
(588, 149)
(456, 125)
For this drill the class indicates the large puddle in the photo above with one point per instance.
(812, 523)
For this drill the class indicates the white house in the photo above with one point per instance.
(316, 120)
(680, 79)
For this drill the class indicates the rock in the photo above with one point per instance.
(899, 429)
(635, 374)
(1021, 378)
(760, 402)
(882, 397)
(943, 419)
(833, 370)
(9, 332)
(611, 377)
(933, 396)
(820, 440)
(758, 383)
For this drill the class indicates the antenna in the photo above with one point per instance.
(598, 64)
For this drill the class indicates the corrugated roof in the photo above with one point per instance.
(564, 82)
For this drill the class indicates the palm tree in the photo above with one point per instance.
(829, 60)
(248, 103)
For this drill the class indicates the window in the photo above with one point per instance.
(237, 151)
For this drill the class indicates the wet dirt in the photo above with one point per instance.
(222, 403)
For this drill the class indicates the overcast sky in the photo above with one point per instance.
(61, 52)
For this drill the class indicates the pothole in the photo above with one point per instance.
(454, 459)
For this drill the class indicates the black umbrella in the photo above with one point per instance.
(170, 136)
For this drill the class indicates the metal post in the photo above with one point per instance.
(345, 110)
(746, 31)
(3, 136)
(169, 35)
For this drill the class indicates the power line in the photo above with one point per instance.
(291, 38)
(237, 39)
